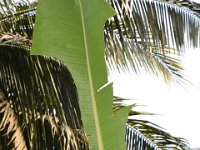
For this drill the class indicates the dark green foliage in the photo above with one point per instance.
(43, 98)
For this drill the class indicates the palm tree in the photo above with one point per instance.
(140, 37)
(126, 42)
(38, 102)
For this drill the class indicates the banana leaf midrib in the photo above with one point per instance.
(97, 124)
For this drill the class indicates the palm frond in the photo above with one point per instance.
(9, 126)
(17, 17)
(141, 134)
(189, 4)
(147, 34)
(42, 97)
(160, 137)
(15, 39)
(136, 141)
(137, 38)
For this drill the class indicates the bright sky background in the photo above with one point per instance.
(178, 108)
(197, 1)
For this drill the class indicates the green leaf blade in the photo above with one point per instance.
(72, 31)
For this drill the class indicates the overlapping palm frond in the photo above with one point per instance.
(136, 141)
(17, 17)
(137, 38)
(15, 39)
(151, 35)
(13, 133)
(38, 103)
(189, 4)
(158, 135)
(141, 134)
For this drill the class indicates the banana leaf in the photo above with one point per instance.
(70, 31)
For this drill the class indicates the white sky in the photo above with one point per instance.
(178, 109)
(197, 1)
